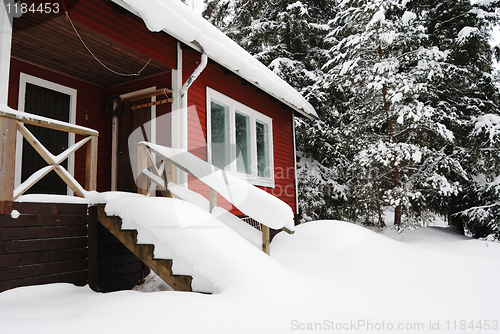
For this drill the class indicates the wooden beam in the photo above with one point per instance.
(150, 104)
(8, 135)
(30, 181)
(266, 244)
(142, 163)
(91, 164)
(162, 268)
(49, 124)
(43, 152)
(161, 91)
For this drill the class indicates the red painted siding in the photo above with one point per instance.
(126, 29)
(214, 76)
(90, 98)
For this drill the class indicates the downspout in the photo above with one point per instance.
(192, 78)
(183, 120)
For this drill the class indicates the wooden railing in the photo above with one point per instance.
(161, 176)
(12, 121)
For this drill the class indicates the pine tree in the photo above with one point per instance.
(468, 95)
(386, 70)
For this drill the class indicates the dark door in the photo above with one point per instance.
(52, 104)
(128, 121)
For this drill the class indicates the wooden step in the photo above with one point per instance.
(162, 267)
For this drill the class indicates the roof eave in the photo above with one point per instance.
(196, 46)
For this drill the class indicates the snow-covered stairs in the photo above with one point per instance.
(162, 267)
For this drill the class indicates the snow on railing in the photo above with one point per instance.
(12, 121)
(270, 211)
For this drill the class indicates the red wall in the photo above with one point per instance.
(90, 98)
(214, 76)
(126, 29)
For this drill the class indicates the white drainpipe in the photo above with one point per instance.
(183, 120)
(192, 78)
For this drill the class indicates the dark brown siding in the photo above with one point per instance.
(117, 267)
(46, 244)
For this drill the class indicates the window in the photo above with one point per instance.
(239, 139)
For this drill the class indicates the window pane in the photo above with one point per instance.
(243, 143)
(263, 159)
(219, 117)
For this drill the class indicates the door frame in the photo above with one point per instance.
(114, 141)
(25, 79)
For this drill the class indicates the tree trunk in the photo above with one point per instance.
(396, 177)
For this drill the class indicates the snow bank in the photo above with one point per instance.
(340, 275)
(180, 21)
(430, 273)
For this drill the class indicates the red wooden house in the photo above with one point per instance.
(110, 67)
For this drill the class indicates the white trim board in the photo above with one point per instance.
(23, 80)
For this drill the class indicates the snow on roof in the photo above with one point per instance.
(178, 20)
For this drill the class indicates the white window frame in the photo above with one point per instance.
(25, 79)
(235, 106)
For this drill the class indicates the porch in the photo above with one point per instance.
(71, 68)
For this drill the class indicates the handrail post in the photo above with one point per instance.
(266, 236)
(91, 164)
(213, 199)
(8, 133)
(142, 163)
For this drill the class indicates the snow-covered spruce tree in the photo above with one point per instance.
(481, 214)
(386, 70)
(289, 37)
(469, 96)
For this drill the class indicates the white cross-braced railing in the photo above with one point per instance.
(12, 121)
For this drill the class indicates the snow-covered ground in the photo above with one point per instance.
(328, 276)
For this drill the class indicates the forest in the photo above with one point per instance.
(408, 103)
